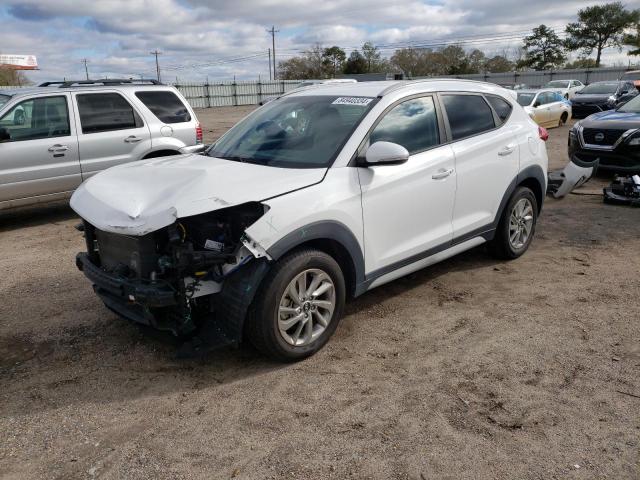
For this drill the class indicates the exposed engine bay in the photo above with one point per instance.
(169, 278)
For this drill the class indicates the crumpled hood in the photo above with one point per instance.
(141, 197)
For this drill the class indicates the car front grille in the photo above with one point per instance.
(599, 136)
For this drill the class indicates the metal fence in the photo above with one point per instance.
(536, 79)
(223, 94)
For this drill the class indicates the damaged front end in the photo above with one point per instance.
(197, 274)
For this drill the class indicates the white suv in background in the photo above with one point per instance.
(568, 88)
(319, 195)
(55, 136)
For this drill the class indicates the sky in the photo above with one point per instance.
(221, 39)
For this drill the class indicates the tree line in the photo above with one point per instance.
(596, 28)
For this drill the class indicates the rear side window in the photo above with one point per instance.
(166, 106)
(468, 115)
(501, 106)
(412, 124)
(104, 112)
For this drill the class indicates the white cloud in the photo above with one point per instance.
(117, 35)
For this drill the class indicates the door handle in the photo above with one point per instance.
(506, 151)
(58, 148)
(132, 139)
(442, 173)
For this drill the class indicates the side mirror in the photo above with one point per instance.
(386, 153)
(536, 104)
(5, 136)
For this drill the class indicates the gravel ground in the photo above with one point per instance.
(470, 369)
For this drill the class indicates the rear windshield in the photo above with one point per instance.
(525, 99)
(166, 106)
(601, 88)
(4, 99)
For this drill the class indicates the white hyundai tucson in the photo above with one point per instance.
(320, 195)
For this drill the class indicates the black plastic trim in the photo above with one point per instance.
(329, 230)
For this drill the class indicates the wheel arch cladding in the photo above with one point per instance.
(533, 177)
(333, 238)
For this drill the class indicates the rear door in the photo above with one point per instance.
(110, 131)
(40, 157)
(486, 158)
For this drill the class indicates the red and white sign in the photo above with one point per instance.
(19, 62)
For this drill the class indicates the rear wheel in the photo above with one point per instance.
(563, 119)
(517, 225)
(298, 307)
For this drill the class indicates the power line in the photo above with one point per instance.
(156, 53)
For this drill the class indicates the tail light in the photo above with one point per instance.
(198, 133)
(543, 134)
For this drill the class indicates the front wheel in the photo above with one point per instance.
(517, 225)
(298, 306)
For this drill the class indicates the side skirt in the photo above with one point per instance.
(418, 262)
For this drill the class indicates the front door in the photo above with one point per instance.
(38, 149)
(407, 208)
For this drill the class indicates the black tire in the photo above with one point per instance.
(563, 118)
(262, 319)
(501, 247)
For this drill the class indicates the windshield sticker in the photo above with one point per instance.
(352, 101)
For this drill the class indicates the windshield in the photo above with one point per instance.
(4, 99)
(601, 88)
(526, 99)
(632, 106)
(558, 84)
(294, 132)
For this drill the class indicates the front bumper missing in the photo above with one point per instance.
(145, 293)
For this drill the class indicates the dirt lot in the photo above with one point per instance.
(471, 369)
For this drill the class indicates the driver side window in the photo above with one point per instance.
(412, 124)
(44, 117)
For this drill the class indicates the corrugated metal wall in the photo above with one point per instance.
(202, 95)
(539, 78)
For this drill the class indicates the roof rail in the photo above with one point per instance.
(102, 82)
(404, 83)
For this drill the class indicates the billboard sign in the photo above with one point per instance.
(19, 62)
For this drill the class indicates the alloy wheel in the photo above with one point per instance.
(520, 223)
(306, 307)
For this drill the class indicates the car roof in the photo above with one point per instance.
(382, 88)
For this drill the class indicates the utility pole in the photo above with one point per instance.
(270, 77)
(86, 69)
(273, 32)
(156, 53)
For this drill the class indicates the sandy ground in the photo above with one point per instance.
(470, 369)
